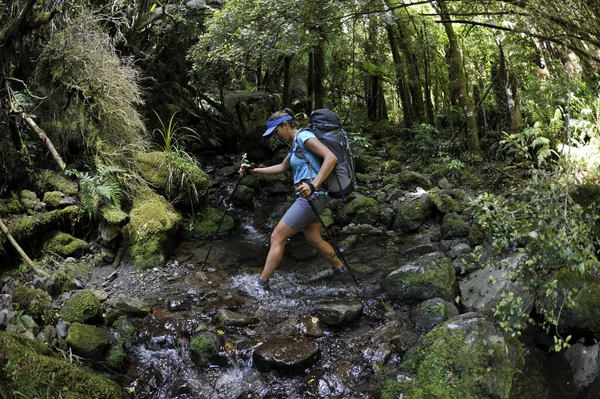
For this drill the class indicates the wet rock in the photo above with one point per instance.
(430, 276)
(204, 349)
(378, 357)
(129, 305)
(286, 354)
(339, 312)
(417, 244)
(482, 290)
(228, 318)
(310, 326)
(82, 307)
(181, 387)
(584, 363)
(432, 312)
(178, 304)
(88, 341)
(243, 196)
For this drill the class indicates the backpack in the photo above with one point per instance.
(327, 127)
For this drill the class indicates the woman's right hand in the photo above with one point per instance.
(243, 168)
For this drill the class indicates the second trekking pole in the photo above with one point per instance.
(331, 241)
(237, 183)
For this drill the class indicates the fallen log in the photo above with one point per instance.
(22, 253)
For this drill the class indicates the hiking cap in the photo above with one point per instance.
(271, 125)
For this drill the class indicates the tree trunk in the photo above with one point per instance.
(505, 86)
(287, 79)
(319, 75)
(310, 87)
(401, 87)
(20, 251)
(459, 80)
(414, 76)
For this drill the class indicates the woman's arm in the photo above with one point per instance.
(315, 146)
(269, 170)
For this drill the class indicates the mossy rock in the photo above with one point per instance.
(115, 357)
(204, 349)
(150, 234)
(10, 207)
(243, 196)
(365, 163)
(206, 223)
(166, 176)
(64, 279)
(463, 358)
(410, 215)
(64, 244)
(453, 226)
(58, 182)
(88, 341)
(113, 215)
(359, 210)
(429, 276)
(443, 202)
(125, 329)
(82, 307)
(24, 229)
(31, 368)
(585, 312)
(391, 166)
(411, 180)
(33, 302)
(432, 312)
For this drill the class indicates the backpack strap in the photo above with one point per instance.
(300, 153)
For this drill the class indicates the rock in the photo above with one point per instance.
(204, 349)
(243, 196)
(62, 329)
(129, 305)
(33, 302)
(178, 304)
(362, 229)
(583, 361)
(430, 276)
(339, 312)
(454, 226)
(286, 354)
(228, 318)
(458, 250)
(411, 180)
(36, 365)
(82, 307)
(378, 357)
(361, 210)
(64, 244)
(417, 244)
(88, 341)
(205, 223)
(466, 354)
(410, 215)
(482, 290)
(57, 200)
(310, 326)
(149, 236)
(5, 318)
(442, 201)
(432, 312)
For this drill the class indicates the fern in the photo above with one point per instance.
(102, 187)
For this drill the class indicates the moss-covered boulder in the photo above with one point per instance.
(243, 196)
(113, 215)
(29, 199)
(411, 180)
(150, 234)
(56, 200)
(69, 276)
(33, 302)
(55, 181)
(585, 312)
(10, 206)
(88, 341)
(63, 244)
(365, 163)
(454, 226)
(391, 166)
(410, 215)
(26, 228)
(82, 307)
(463, 358)
(204, 349)
(359, 210)
(31, 368)
(177, 177)
(442, 201)
(206, 223)
(430, 276)
(432, 312)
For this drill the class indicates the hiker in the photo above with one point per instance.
(300, 216)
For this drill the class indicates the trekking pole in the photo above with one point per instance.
(331, 241)
(237, 183)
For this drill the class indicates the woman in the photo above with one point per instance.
(300, 216)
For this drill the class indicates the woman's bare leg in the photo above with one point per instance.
(312, 232)
(279, 237)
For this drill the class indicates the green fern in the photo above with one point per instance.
(99, 188)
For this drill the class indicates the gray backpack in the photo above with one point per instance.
(327, 127)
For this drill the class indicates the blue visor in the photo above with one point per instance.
(271, 125)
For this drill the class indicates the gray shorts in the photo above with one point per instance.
(300, 214)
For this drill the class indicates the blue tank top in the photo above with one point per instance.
(300, 169)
